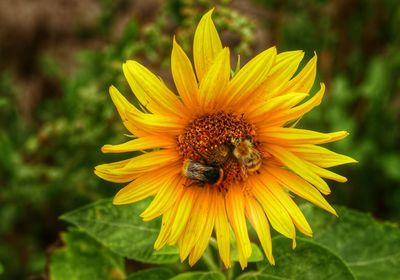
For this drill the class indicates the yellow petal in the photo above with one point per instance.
(146, 185)
(206, 45)
(295, 213)
(295, 136)
(152, 93)
(145, 162)
(215, 80)
(157, 124)
(201, 244)
(139, 144)
(184, 77)
(320, 156)
(166, 197)
(182, 215)
(143, 124)
(326, 173)
(276, 213)
(300, 187)
(115, 178)
(257, 218)
(235, 210)
(124, 106)
(303, 81)
(107, 172)
(298, 111)
(299, 167)
(165, 230)
(222, 231)
(195, 225)
(283, 70)
(261, 112)
(250, 77)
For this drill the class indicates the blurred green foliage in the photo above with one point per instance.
(358, 46)
(47, 160)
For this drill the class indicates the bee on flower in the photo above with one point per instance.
(223, 150)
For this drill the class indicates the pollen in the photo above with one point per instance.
(208, 138)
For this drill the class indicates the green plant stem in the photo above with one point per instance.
(209, 261)
(229, 272)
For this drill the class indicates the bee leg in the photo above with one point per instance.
(195, 183)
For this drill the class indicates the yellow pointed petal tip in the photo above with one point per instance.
(333, 212)
(206, 45)
(104, 149)
(117, 200)
(271, 260)
(207, 17)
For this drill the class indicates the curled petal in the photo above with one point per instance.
(152, 93)
(124, 106)
(156, 124)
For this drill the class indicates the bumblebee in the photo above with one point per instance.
(246, 154)
(202, 174)
(219, 155)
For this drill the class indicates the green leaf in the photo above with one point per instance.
(371, 249)
(256, 253)
(212, 275)
(121, 229)
(353, 246)
(151, 274)
(307, 261)
(84, 258)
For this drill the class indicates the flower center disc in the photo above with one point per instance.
(208, 140)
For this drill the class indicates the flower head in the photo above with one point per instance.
(224, 149)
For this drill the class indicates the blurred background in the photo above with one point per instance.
(58, 58)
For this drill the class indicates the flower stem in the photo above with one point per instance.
(209, 260)
(229, 272)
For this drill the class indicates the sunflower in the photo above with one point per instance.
(225, 149)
